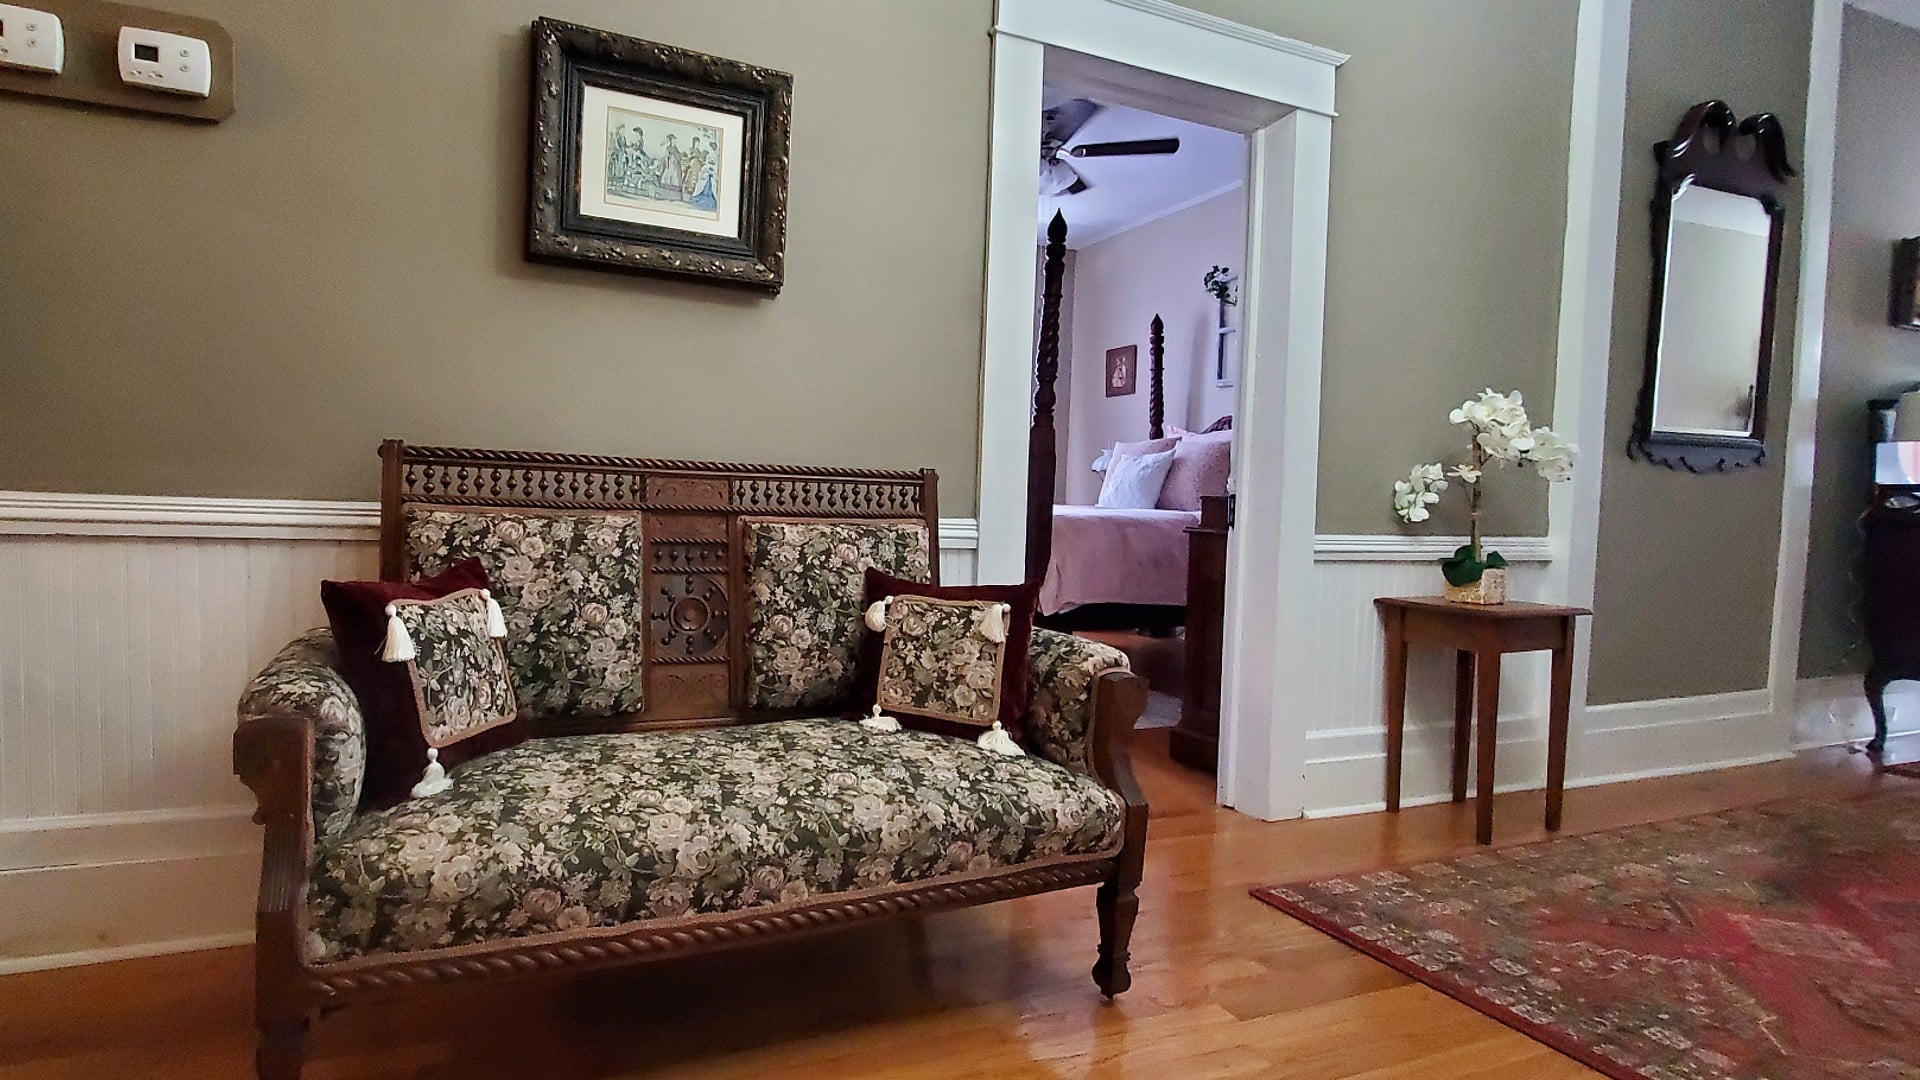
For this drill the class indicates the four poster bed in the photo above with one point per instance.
(1101, 568)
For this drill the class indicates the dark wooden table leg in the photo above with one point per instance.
(1462, 720)
(1487, 675)
(1562, 691)
(1393, 621)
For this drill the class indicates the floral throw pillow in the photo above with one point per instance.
(951, 660)
(461, 686)
(425, 660)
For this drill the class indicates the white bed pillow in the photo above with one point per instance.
(1134, 480)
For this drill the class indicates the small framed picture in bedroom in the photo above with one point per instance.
(1123, 370)
(1905, 312)
(654, 159)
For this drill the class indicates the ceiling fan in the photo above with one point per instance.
(1059, 124)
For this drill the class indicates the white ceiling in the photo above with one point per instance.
(1900, 11)
(1126, 192)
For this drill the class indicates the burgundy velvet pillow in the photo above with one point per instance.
(1200, 466)
(390, 692)
(1010, 687)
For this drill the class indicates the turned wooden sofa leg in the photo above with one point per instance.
(282, 1050)
(1118, 908)
(1119, 697)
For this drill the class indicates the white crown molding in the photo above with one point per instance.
(58, 513)
(1085, 242)
(1392, 547)
(1213, 24)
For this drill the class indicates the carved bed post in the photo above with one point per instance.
(1042, 454)
(1157, 371)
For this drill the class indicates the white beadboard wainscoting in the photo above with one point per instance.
(127, 627)
(1345, 768)
(1346, 738)
(131, 623)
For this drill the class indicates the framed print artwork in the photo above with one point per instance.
(1905, 312)
(1123, 370)
(654, 159)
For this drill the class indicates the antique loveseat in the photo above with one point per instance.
(683, 638)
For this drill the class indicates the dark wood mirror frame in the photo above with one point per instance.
(1712, 148)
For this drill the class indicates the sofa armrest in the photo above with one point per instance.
(1062, 674)
(303, 682)
(273, 756)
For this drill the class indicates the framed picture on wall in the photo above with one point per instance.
(1123, 370)
(655, 159)
(1905, 312)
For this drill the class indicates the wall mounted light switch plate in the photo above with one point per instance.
(169, 63)
(32, 40)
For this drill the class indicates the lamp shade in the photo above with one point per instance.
(1906, 421)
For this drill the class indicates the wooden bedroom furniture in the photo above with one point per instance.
(1195, 740)
(1479, 635)
(1890, 603)
(694, 522)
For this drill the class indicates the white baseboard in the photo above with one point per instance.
(80, 890)
(1629, 741)
(1833, 710)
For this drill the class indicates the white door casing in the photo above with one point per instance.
(1280, 93)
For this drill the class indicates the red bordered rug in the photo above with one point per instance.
(1775, 942)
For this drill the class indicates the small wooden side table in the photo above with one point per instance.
(1479, 636)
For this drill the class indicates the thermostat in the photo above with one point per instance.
(169, 63)
(31, 39)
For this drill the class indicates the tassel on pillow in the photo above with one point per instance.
(877, 616)
(435, 780)
(398, 647)
(993, 623)
(879, 721)
(997, 740)
(496, 621)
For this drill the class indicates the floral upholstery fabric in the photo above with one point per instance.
(599, 830)
(805, 583)
(569, 585)
(304, 680)
(459, 673)
(937, 662)
(1060, 677)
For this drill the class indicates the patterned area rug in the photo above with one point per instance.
(1776, 942)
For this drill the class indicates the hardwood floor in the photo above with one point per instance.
(1223, 986)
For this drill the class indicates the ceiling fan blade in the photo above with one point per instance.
(1126, 148)
(1079, 185)
(1058, 124)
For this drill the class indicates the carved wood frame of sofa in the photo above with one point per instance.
(692, 517)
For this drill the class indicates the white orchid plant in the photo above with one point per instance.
(1502, 435)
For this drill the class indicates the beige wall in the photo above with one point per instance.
(246, 309)
(350, 253)
(1684, 585)
(1449, 208)
(1876, 200)
(1120, 283)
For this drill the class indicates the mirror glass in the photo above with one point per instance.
(1711, 313)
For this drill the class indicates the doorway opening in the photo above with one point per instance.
(1141, 245)
(1277, 95)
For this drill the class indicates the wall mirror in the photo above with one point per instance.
(1717, 224)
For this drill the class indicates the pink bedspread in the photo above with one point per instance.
(1116, 557)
